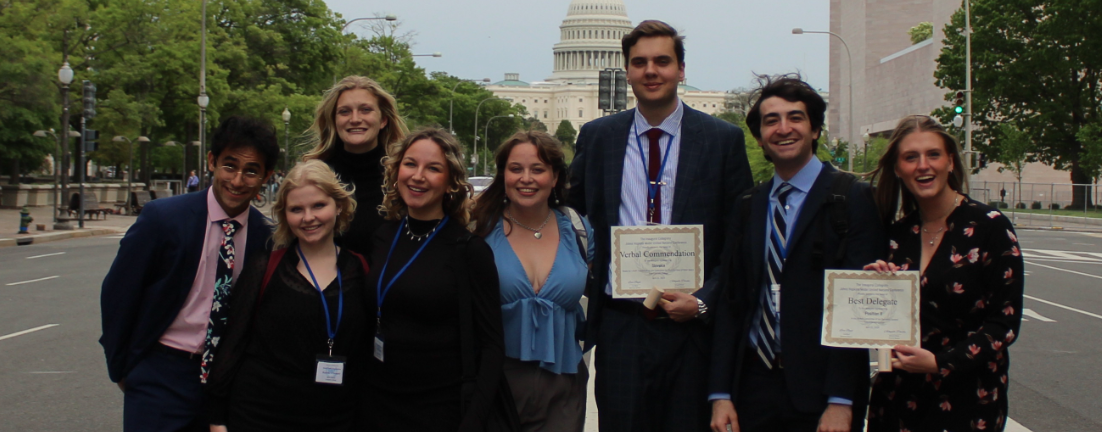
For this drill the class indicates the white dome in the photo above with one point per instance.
(597, 7)
(590, 40)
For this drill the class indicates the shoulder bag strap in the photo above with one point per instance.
(273, 262)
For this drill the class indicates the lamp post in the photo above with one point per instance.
(451, 102)
(487, 135)
(203, 99)
(850, 59)
(968, 97)
(286, 138)
(476, 110)
(57, 162)
(435, 54)
(65, 77)
(345, 28)
(865, 164)
(130, 163)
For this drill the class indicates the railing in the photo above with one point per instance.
(1045, 205)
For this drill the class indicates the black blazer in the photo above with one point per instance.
(153, 273)
(813, 372)
(711, 173)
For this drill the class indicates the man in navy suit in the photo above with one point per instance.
(157, 299)
(651, 367)
(769, 371)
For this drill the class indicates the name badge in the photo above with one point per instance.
(776, 289)
(379, 347)
(330, 370)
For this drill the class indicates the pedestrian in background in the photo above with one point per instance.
(294, 354)
(971, 289)
(192, 182)
(438, 351)
(519, 216)
(354, 123)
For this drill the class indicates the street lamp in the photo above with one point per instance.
(451, 102)
(850, 59)
(65, 77)
(487, 135)
(203, 99)
(476, 110)
(286, 138)
(57, 162)
(130, 163)
(865, 164)
(435, 54)
(388, 18)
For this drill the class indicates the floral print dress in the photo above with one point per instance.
(971, 295)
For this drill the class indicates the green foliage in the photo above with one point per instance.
(760, 168)
(921, 32)
(566, 134)
(1091, 137)
(1011, 147)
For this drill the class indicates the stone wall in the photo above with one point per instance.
(16, 196)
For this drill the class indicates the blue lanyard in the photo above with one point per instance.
(652, 185)
(380, 292)
(329, 328)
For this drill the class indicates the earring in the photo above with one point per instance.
(505, 201)
(555, 196)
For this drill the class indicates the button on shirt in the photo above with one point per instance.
(633, 190)
(188, 331)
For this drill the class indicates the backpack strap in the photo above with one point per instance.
(580, 235)
(836, 209)
(273, 262)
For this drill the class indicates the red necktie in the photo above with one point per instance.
(654, 176)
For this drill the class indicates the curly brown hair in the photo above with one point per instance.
(459, 190)
(490, 205)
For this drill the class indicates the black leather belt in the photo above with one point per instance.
(175, 352)
(633, 307)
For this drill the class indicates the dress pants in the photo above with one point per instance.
(764, 404)
(547, 401)
(163, 394)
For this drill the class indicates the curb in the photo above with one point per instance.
(58, 235)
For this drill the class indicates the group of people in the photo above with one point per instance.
(217, 318)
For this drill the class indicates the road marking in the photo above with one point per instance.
(51, 372)
(1050, 255)
(1065, 270)
(1084, 244)
(115, 237)
(33, 280)
(1013, 426)
(1063, 307)
(21, 333)
(46, 255)
(1030, 313)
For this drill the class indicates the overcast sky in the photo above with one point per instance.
(725, 40)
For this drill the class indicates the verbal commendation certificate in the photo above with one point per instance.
(865, 309)
(668, 257)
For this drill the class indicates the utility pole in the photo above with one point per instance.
(967, 97)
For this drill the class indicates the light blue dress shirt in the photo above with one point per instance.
(544, 327)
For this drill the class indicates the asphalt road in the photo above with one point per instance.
(54, 378)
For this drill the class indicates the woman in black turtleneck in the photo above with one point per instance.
(355, 122)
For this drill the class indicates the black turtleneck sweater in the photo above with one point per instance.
(365, 172)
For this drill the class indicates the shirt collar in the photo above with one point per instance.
(671, 125)
(803, 180)
(216, 214)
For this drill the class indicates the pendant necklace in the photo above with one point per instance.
(956, 202)
(420, 237)
(536, 231)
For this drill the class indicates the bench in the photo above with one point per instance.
(138, 200)
(161, 193)
(91, 205)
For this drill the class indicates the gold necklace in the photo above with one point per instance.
(956, 202)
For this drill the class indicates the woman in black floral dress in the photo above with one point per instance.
(971, 290)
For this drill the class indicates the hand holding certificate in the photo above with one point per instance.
(669, 258)
(868, 309)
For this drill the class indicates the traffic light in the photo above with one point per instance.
(604, 87)
(958, 106)
(90, 137)
(89, 100)
(621, 102)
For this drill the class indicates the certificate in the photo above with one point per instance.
(667, 257)
(866, 309)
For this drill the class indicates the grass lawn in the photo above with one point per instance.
(1076, 213)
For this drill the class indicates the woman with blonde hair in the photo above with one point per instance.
(438, 348)
(353, 125)
(296, 345)
(971, 289)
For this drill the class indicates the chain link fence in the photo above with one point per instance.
(1044, 205)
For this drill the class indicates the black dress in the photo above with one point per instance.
(268, 362)
(365, 172)
(971, 312)
(418, 385)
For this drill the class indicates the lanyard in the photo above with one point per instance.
(652, 185)
(380, 292)
(329, 328)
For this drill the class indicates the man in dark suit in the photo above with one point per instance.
(161, 301)
(651, 365)
(768, 365)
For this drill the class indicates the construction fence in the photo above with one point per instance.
(1044, 205)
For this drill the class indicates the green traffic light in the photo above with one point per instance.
(959, 109)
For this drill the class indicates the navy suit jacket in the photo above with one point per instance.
(711, 173)
(153, 273)
(812, 372)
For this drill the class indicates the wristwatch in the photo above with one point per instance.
(701, 308)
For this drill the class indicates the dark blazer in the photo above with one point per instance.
(153, 273)
(812, 371)
(711, 173)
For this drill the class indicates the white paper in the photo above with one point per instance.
(667, 257)
(865, 309)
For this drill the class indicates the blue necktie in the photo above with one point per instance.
(766, 338)
(219, 308)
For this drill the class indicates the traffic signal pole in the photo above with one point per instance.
(967, 97)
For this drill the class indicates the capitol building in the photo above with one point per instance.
(589, 42)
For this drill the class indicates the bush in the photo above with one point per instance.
(998, 204)
(1054, 206)
(1020, 205)
(1036, 205)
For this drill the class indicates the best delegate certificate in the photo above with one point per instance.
(865, 309)
(667, 257)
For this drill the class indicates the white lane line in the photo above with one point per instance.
(51, 372)
(21, 333)
(1065, 270)
(115, 236)
(1084, 244)
(1030, 313)
(1013, 426)
(46, 255)
(1063, 260)
(31, 281)
(1063, 307)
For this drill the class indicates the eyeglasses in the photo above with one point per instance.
(232, 171)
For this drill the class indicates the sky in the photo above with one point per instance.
(726, 41)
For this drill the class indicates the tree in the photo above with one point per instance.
(1012, 148)
(566, 134)
(1037, 67)
(760, 168)
(921, 32)
(534, 124)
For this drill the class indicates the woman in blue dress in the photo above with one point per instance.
(543, 273)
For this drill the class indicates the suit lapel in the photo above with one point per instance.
(693, 142)
(615, 147)
(195, 233)
(759, 206)
(815, 198)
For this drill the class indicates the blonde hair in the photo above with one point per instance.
(892, 197)
(455, 200)
(312, 173)
(323, 133)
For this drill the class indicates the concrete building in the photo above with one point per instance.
(589, 42)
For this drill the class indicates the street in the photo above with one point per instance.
(54, 377)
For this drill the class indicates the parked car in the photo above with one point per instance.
(480, 183)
